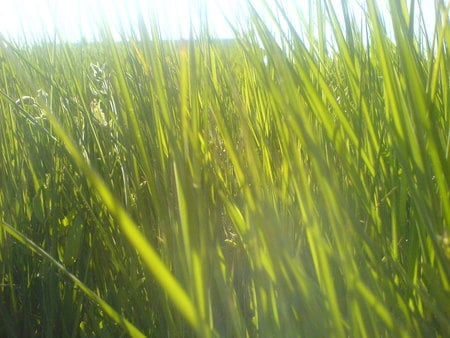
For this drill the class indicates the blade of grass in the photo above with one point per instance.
(33, 247)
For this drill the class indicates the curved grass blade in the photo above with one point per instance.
(153, 262)
(33, 247)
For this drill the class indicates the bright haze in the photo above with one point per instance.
(74, 20)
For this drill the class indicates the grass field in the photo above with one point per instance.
(272, 185)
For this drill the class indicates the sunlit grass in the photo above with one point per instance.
(273, 185)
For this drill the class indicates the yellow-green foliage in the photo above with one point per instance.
(272, 185)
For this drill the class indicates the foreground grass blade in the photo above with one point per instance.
(33, 247)
(153, 262)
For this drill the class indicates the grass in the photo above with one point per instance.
(275, 184)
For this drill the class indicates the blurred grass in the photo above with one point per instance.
(269, 185)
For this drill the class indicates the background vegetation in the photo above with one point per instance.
(274, 185)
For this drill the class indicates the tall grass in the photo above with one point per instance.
(272, 185)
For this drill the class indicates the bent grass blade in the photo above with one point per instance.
(33, 247)
(153, 262)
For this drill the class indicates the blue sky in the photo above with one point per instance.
(76, 18)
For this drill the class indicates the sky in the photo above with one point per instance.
(74, 19)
